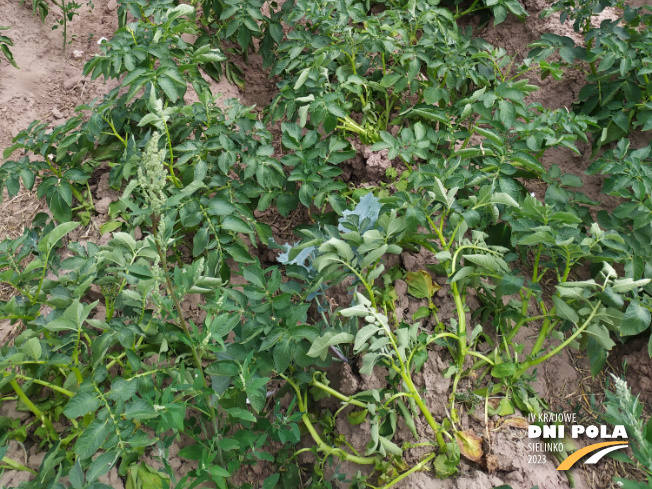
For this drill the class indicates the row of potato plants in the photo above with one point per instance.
(113, 368)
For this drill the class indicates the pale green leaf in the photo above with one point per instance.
(320, 346)
(564, 310)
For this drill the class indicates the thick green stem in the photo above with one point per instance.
(531, 363)
(78, 195)
(115, 132)
(436, 427)
(524, 318)
(438, 231)
(481, 356)
(13, 465)
(364, 283)
(535, 273)
(349, 124)
(548, 326)
(339, 395)
(337, 452)
(53, 168)
(420, 466)
(461, 338)
(44, 383)
(42, 279)
(568, 266)
(321, 446)
(467, 11)
(32, 407)
(461, 323)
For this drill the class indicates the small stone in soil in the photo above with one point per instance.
(56, 113)
(71, 82)
(102, 205)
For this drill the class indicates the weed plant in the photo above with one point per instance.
(67, 10)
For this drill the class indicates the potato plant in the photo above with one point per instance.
(5, 44)
(616, 63)
(113, 367)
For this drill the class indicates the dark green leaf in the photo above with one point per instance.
(235, 224)
(83, 402)
(503, 370)
(510, 284)
(92, 438)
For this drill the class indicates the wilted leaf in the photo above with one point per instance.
(357, 417)
(470, 445)
(518, 422)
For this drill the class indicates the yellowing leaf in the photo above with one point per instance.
(357, 417)
(420, 284)
(470, 445)
(518, 422)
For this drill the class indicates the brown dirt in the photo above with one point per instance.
(49, 84)
(637, 367)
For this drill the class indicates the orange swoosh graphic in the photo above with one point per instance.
(570, 461)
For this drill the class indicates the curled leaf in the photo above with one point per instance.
(470, 445)
(517, 422)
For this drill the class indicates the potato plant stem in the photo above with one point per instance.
(467, 11)
(395, 397)
(338, 395)
(64, 12)
(535, 273)
(44, 383)
(43, 274)
(461, 338)
(321, 445)
(32, 407)
(436, 427)
(420, 466)
(366, 285)
(543, 334)
(553, 352)
(13, 465)
(481, 356)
